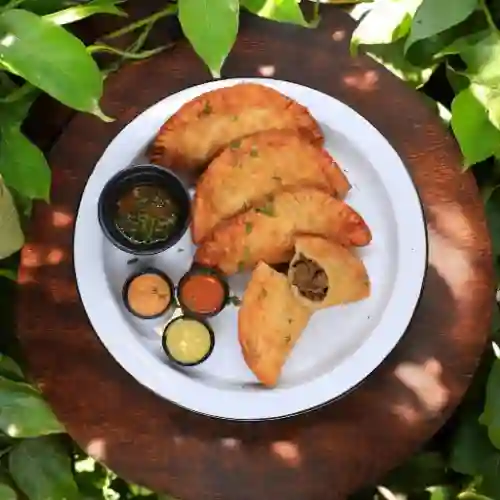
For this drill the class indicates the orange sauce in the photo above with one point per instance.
(202, 293)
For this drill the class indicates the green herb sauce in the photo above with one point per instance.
(146, 214)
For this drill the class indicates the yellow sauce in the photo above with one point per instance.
(188, 340)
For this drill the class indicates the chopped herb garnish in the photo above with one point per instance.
(248, 227)
(263, 293)
(132, 261)
(266, 209)
(288, 339)
(207, 109)
(277, 178)
(234, 118)
(290, 321)
(241, 266)
(246, 254)
(254, 152)
(179, 250)
(235, 144)
(234, 300)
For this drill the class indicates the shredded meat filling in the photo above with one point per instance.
(310, 279)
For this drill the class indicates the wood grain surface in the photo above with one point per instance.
(330, 452)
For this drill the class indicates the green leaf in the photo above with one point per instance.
(7, 493)
(386, 22)
(283, 11)
(22, 165)
(79, 12)
(211, 26)
(442, 493)
(91, 477)
(481, 54)
(472, 495)
(477, 136)
(393, 58)
(471, 447)
(41, 468)
(421, 471)
(50, 58)
(456, 79)
(434, 17)
(10, 274)
(492, 209)
(40, 6)
(11, 234)
(490, 484)
(10, 369)
(491, 414)
(433, 49)
(23, 412)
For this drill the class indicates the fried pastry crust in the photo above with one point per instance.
(268, 231)
(202, 127)
(324, 273)
(262, 164)
(270, 321)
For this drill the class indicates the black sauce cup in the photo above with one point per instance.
(197, 269)
(141, 175)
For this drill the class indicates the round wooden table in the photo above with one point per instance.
(330, 452)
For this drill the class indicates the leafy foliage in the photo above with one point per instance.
(41, 468)
(211, 26)
(460, 43)
(421, 41)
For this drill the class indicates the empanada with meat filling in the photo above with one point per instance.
(324, 273)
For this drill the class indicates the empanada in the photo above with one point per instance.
(270, 321)
(202, 127)
(261, 164)
(268, 231)
(323, 273)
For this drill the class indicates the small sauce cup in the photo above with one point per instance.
(202, 292)
(169, 211)
(148, 293)
(188, 341)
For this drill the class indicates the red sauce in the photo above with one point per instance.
(202, 293)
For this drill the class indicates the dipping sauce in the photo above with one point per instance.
(188, 341)
(202, 292)
(146, 214)
(148, 295)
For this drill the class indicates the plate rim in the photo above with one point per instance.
(274, 83)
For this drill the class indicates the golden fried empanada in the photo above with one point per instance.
(268, 231)
(261, 164)
(270, 321)
(202, 127)
(323, 273)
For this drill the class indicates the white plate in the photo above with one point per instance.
(341, 345)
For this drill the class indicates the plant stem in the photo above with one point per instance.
(316, 9)
(126, 54)
(11, 5)
(167, 11)
(6, 82)
(18, 93)
(489, 17)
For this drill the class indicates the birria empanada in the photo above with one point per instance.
(259, 165)
(324, 273)
(202, 127)
(270, 321)
(268, 231)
